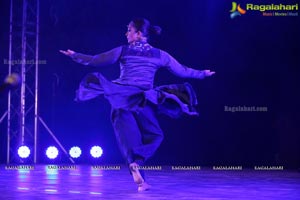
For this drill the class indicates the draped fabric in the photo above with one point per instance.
(172, 100)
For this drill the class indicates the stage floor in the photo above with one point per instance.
(102, 182)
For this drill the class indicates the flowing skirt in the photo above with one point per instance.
(173, 100)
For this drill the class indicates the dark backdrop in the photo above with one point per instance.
(256, 60)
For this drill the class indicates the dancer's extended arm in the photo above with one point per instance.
(180, 70)
(101, 59)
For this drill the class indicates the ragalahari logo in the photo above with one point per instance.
(236, 10)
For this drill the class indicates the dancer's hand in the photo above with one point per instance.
(68, 52)
(207, 72)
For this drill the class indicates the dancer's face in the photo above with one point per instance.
(131, 34)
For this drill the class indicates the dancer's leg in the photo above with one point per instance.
(128, 137)
(127, 133)
(137, 146)
(151, 133)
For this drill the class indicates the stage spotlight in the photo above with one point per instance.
(75, 152)
(52, 152)
(23, 152)
(96, 151)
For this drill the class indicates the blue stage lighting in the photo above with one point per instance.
(23, 152)
(52, 152)
(96, 151)
(75, 152)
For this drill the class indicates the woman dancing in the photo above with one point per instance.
(132, 96)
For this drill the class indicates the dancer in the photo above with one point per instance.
(132, 96)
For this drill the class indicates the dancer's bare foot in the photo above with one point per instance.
(137, 177)
(143, 187)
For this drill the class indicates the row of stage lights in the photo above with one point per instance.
(52, 152)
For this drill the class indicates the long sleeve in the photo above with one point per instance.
(102, 59)
(178, 69)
